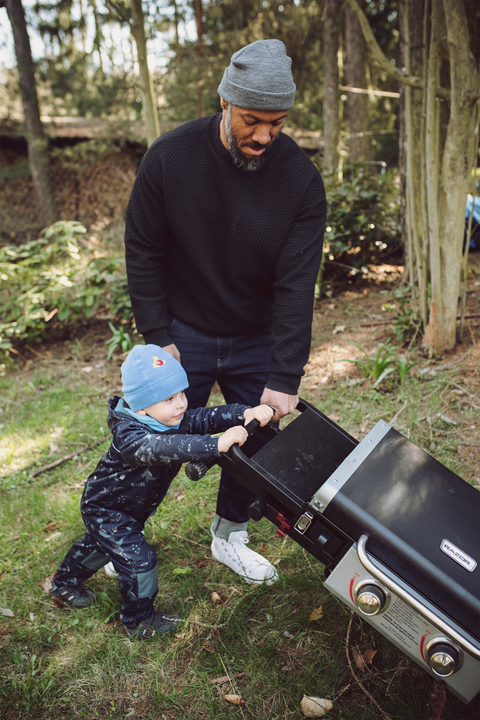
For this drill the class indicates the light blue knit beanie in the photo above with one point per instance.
(149, 375)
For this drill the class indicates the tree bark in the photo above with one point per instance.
(446, 159)
(331, 97)
(382, 59)
(456, 169)
(358, 104)
(149, 107)
(36, 141)
(199, 50)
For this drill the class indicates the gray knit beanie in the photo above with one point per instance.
(259, 77)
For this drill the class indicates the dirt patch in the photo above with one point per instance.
(357, 310)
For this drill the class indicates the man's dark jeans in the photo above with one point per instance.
(240, 365)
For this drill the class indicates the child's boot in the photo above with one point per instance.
(77, 596)
(157, 624)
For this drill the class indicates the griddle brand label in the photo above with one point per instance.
(458, 555)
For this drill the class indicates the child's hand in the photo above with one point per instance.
(262, 413)
(236, 434)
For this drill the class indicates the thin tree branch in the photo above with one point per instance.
(362, 687)
(119, 11)
(381, 58)
(60, 461)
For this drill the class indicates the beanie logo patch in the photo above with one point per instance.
(157, 362)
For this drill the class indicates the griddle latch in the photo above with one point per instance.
(284, 527)
(304, 522)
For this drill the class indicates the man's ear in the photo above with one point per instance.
(141, 412)
(223, 103)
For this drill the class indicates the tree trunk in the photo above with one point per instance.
(357, 103)
(199, 52)
(36, 140)
(331, 98)
(445, 160)
(149, 107)
(456, 169)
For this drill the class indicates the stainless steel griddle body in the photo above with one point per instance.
(398, 532)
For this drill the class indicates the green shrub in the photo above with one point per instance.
(363, 218)
(56, 280)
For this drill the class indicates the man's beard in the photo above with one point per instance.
(242, 162)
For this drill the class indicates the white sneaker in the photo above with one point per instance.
(251, 566)
(110, 570)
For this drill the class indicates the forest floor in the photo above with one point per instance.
(275, 644)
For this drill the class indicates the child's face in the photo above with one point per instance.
(169, 411)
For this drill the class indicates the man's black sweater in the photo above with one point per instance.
(225, 250)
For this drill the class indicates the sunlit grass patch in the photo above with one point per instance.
(57, 663)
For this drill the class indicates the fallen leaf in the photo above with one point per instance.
(359, 659)
(447, 419)
(52, 536)
(289, 635)
(335, 418)
(216, 598)
(50, 526)
(46, 585)
(58, 603)
(338, 329)
(437, 701)
(315, 706)
(234, 699)
(31, 616)
(57, 431)
(317, 613)
(368, 655)
(225, 678)
(206, 646)
(179, 497)
(53, 449)
(6, 612)
(201, 503)
(14, 537)
(263, 548)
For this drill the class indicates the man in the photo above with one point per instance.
(224, 233)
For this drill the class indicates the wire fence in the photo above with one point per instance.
(95, 194)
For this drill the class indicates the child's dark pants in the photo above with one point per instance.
(115, 536)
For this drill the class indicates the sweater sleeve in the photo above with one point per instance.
(214, 419)
(146, 235)
(145, 449)
(296, 273)
(139, 446)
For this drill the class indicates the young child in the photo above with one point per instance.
(153, 433)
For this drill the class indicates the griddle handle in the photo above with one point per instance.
(252, 426)
(258, 508)
(368, 564)
(236, 454)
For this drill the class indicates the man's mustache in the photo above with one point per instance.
(256, 145)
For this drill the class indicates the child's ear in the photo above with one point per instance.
(141, 412)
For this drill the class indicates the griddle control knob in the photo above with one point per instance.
(371, 598)
(443, 657)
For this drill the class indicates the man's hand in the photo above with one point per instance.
(284, 404)
(173, 350)
(262, 413)
(236, 434)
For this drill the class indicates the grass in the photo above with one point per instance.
(59, 663)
